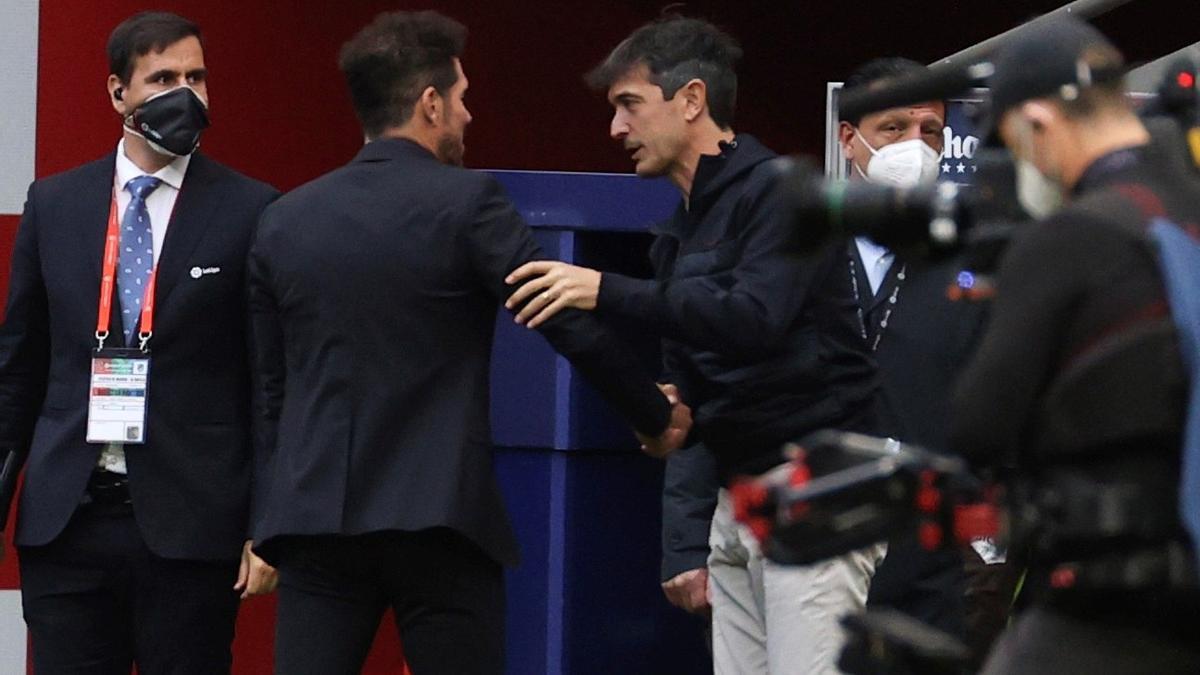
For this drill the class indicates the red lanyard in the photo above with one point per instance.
(112, 247)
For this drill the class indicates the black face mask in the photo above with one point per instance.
(171, 122)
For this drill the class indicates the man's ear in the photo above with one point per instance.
(695, 99)
(116, 95)
(1039, 113)
(429, 106)
(846, 138)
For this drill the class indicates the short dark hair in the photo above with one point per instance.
(1095, 100)
(1106, 94)
(390, 63)
(876, 71)
(675, 51)
(142, 33)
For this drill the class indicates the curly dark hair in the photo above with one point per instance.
(390, 63)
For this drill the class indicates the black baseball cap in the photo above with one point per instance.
(1058, 56)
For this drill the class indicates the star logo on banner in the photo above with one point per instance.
(945, 168)
(962, 168)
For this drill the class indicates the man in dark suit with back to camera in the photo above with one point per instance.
(135, 507)
(374, 292)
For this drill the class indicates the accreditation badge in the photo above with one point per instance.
(117, 399)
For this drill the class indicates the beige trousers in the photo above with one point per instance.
(779, 619)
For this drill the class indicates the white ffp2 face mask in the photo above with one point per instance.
(905, 164)
(1038, 195)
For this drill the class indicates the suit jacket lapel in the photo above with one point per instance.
(860, 277)
(89, 213)
(887, 285)
(190, 219)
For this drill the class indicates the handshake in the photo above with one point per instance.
(677, 429)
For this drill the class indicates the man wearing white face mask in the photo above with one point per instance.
(918, 336)
(1080, 378)
(900, 147)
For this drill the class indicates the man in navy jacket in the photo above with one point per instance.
(761, 340)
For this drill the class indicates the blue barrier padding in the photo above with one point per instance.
(611, 202)
(584, 503)
(600, 221)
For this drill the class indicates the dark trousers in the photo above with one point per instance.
(1046, 641)
(96, 601)
(926, 585)
(990, 594)
(448, 597)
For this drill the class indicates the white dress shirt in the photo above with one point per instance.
(876, 259)
(159, 204)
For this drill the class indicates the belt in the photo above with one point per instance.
(107, 488)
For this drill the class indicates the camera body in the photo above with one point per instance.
(842, 491)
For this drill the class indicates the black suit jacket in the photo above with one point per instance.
(374, 292)
(925, 344)
(921, 350)
(190, 482)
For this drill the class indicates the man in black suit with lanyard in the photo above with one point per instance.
(374, 291)
(132, 420)
(920, 338)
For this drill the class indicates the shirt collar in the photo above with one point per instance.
(171, 174)
(870, 251)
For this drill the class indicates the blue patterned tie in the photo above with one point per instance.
(137, 252)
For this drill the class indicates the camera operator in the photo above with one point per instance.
(920, 338)
(1078, 380)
